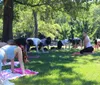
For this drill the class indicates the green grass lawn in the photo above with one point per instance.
(61, 68)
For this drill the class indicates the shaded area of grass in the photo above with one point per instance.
(61, 68)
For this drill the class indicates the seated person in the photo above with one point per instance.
(10, 52)
(87, 45)
(62, 43)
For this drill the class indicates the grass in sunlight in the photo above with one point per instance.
(61, 68)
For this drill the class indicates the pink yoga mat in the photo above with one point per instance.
(7, 74)
(27, 71)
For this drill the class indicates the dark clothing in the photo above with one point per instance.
(75, 41)
(87, 50)
(41, 36)
(30, 43)
(21, 41)
(59, 45)
(95, 41)
(45, 42)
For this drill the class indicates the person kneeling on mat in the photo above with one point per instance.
(88, 48)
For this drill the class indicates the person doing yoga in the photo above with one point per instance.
(88, 48)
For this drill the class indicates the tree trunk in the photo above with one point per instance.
(35, 24)
(7, 20)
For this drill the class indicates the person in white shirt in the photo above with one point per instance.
(45, 42)
(87, 44)
(33, 42)
(76, 42)
(38, 43)
(62, 43)
(88, 48)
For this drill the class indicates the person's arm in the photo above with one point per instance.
(86, 40)
(42, 49)
(37, 42)
(36, 45)
(12, 65)
(20, 58)
(81, 44)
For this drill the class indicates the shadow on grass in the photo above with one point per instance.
(54, 81)
(52, 70)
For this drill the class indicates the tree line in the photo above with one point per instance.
(54, 18)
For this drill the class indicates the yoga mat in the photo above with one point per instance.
(16, 63)
(7, 74)
(6, 82)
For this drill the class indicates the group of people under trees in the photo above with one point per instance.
(18, 48)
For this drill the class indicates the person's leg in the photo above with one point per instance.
(83, 51)
(42, 49)
(3, 80)
(29, 43)
(2, 56)
(87, 50)
(28, 47)
(79, 53)
(76, 53)
(0, 66)
(40, 46)
(59, 45)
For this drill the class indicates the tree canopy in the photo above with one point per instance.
(54, 18)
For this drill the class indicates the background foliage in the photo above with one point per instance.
(55, 18)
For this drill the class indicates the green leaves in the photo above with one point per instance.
(50, 30)
(54, 17)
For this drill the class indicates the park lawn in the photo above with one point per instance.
(61, 68)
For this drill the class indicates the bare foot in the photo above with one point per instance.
(76, 53)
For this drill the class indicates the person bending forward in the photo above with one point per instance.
(10, 52)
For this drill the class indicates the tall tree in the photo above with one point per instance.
(35, 24)
(7, 20)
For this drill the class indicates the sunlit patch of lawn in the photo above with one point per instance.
(61, 68)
